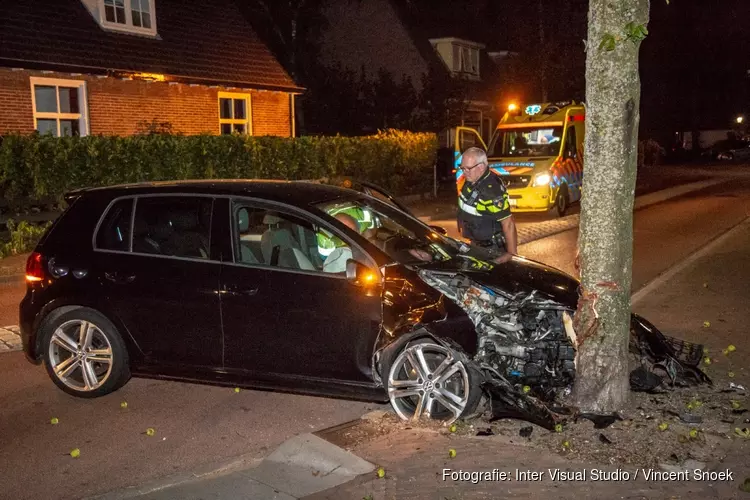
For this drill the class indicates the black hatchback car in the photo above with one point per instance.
(293, 286)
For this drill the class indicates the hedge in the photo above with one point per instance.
(34, 168)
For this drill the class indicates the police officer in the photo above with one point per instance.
(484, 215)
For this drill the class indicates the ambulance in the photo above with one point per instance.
(538, 151)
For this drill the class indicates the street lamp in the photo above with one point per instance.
(740, 119)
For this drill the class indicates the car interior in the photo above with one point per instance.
(271, 238)
(180, 230)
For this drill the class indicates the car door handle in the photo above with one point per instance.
(236, 290)
(118, 278)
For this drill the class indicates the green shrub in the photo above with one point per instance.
(23, 237)
(35, 168)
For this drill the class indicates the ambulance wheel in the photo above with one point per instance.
(563, 200)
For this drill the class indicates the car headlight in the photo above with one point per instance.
(542, 179)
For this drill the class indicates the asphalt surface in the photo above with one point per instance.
(198, 425)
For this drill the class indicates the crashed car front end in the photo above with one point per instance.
(525, 344)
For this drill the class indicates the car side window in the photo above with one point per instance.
(278, 238)
(177, 226)
(114, 230)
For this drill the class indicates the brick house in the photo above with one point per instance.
(113, 66)
(371, 35)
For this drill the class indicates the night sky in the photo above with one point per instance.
(693, 64)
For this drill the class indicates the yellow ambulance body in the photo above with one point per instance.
(538, 151)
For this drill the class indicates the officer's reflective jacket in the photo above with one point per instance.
(482, 206)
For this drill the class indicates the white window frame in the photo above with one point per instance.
(467, 63)
(82, 116)
(247, 121)
(128, 27)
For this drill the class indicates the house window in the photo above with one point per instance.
(234, 113)
(59, 106)
(468, 60)
(134, 16)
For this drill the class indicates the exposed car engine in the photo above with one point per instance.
(522, 338)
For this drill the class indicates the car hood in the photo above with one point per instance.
(520, 275)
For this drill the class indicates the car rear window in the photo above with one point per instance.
(114, 230)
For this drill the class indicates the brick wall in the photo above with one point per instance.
(117, 106)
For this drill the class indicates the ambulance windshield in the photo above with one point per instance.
(526, 141)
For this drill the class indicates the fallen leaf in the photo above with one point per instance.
(707, 360)
(75, 453)
(236, 389)
(453, 428)
(663, 426)
(693, 433)
(736, 404)
(566, 444)
(558, 428)
(526, 389)
(381, 472)
(452, 453)
(745, 486)
(150, 431)
(730, 374)
(124, 404)
(725, 352)
(54, 421)
(744, 432)
(731, 348)
(706, 324)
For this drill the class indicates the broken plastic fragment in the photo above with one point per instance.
(75, 453)
(54, 421)
(600, 421)
(604, 439)
(739, 387)
(689, 418)
(452, 453)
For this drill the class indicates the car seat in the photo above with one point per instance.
(185, 238)
(247, 256)
(279, 248)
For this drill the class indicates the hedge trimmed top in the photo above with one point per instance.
(41, 169)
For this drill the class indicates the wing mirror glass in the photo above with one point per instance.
(439, 229)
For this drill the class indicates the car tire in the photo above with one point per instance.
(562, 203)
(84, 354)
(459, 395)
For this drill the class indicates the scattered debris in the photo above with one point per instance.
(75, 453)
(706, 324)
(745, 486)
(558, 428)
(453, 428)
(150, 431)
(604, 439)
(600, 421)
(376, 415)
(663, 426)
(526, 431)
(736, 387)
(744, 432)
(486, 432)
(54, 421)
(124, 404)
(381, 472)
(452, 453)
(690, 418)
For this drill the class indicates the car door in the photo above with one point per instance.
(284, 310)
(160, 279)
(464, 139)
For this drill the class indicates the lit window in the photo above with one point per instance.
(59, 106)
(134, 16)
(234, 113)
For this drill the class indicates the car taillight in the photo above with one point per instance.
(35, 267)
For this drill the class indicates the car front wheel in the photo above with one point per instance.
(84, 354)
(430, 380)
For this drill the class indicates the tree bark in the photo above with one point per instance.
(602, 321)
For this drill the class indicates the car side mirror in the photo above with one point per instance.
(439, 229)
(360, 274)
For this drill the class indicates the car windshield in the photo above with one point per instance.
(526, 141)
(400, 236)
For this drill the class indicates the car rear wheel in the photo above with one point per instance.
(430, 380)
(84, 354)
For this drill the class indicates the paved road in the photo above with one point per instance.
(204, 424)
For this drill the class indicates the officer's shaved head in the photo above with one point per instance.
(348, 221)
(474, 163)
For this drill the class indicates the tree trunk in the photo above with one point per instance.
(602, 321)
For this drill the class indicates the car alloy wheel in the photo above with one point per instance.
(80, 355)
(429, 380)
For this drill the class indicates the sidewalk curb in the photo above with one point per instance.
(676, 268)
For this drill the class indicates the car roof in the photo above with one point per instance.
(296, 192)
